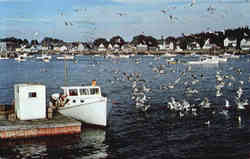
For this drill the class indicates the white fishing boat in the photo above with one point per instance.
(168, 55)
(44, 56)
(65, 57)
(171, 59)
(227, 55)
(26, 55)
(124, 56)
(84, 103)
(45, 60)
(206, 60)
(20, 58)
(222, 59)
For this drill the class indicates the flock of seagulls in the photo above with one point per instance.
(212, 9)
(190, 82)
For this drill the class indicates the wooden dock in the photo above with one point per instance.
(58, 125)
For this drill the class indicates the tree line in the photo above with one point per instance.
(216, 37)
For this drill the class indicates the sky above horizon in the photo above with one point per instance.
(86, 20)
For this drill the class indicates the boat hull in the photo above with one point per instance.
(94, 113)
(65, 58)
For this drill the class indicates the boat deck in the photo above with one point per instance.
(58, 125)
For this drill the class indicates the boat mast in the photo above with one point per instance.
(65, 72)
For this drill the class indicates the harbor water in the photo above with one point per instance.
(148, 129)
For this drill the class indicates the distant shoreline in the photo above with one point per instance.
(147, 52)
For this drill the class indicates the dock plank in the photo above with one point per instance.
(58, 125)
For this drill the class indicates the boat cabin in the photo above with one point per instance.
(82, 91)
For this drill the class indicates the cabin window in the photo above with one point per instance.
(94, 91)
(82, 101)
(32, 95)
(73, 92)
(84, 91)
(74, 101)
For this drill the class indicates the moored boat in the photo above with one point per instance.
(44, 56)
(206, 60)
(65, 57)
(84, 103)
(20, 59)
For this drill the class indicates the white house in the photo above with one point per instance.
(44, 48)
(27, 49)
(178, 49)
(63, 48)
(117, 47)
(57, 48)
(110, 47)
(230, 42)
(245, 44)
(127, 48)
(3, 46)
(207, 44)
(101, 47)
(170, 46)
(162, 46)
(36, 48)
(30, 101)
(33, 49)
(81, 47)
(141, 47)
(193, 46)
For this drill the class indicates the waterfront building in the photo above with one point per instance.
(153, 48)
(178, 48)
(166, 44)
(27, 49)
(35, 48)
(141, 47)
(110, 47)
(128, 48)
(57, 48)
(63, 48)
(230, 42)
(101, 47)
(171, 46)
(193, 46)
(44, 48)
(116, 47)
(23, 48)
(162, 46)
(19, 49)
(207, 44)
(3, 46)
(245, 44)
(81, 47)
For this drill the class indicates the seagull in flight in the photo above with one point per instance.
(164, 11)
(211, 9)
(121, 14)
(192, 3)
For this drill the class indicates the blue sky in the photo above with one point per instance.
(85, 20)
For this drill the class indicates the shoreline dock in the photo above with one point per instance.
(58, 125)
